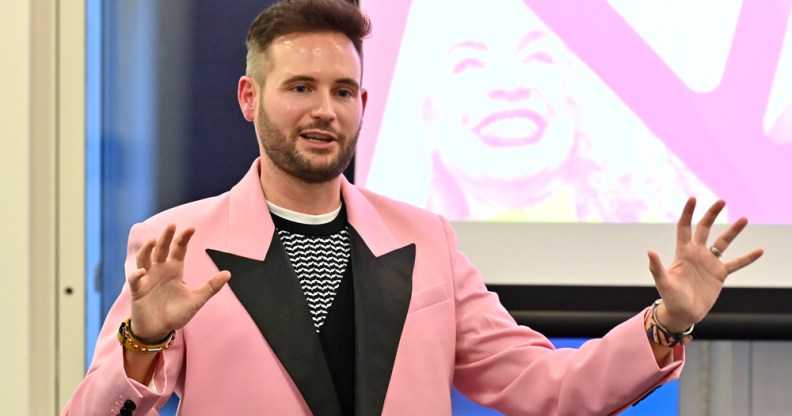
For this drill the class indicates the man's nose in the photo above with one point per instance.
(324, 107)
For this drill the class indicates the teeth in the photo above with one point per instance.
(317, 137)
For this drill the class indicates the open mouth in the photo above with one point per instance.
(318, 137)
(512, 128)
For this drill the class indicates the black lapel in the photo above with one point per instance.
(271, 293)
(383, 287)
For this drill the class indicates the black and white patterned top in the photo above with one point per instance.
(319, 254)
(319, 248)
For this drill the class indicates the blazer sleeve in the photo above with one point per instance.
(516, 370)
(106, 388)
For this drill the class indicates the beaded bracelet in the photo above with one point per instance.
(128, 340)
(656, 332)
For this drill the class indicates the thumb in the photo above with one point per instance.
(134, 279)
(212, 286)
(656, 268)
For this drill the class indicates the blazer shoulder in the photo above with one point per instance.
(193, 213)
(385, 204)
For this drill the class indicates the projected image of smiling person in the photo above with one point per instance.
(497, 119)
(501, 116)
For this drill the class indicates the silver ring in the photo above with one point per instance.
(715, 251)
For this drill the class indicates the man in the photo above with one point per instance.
(342, 301)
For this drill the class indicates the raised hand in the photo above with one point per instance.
(161, 301)
(693, 282)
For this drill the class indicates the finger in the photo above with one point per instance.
(134, 279)
(723, 240)
(212, 286)
(163, 244)
(656, 268)
(742, 261)
(705, 225)
(179, 249)
(683, 225)
(143, 257)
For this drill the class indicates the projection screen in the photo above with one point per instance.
(563, 138)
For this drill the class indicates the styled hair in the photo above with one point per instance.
(302, 16)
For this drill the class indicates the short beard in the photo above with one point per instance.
(282, 151)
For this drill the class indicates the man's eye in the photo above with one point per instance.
(300, 88)
(344, 93)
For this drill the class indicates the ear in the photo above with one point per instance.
(364, 99)
(248, 96)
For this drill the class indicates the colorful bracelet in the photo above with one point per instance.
(657, 333)
(128, 340)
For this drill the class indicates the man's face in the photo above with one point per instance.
(501, 110)
(311, 105)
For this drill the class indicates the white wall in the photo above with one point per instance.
(42, 182)
(737, 378)
(15, 181)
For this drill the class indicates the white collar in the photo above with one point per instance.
(301, 218)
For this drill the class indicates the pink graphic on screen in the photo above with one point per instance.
(570, 111)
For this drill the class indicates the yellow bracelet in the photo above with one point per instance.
(128, 340)
(656, 332)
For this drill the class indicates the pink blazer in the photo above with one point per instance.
(424, 322)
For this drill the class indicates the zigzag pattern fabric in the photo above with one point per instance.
(320, 263)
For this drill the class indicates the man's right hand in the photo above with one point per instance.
(161, 301)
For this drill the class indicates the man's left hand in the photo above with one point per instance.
(693, 282)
